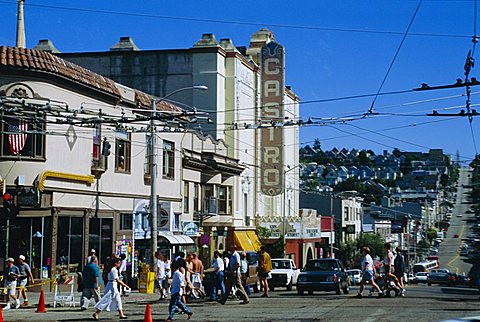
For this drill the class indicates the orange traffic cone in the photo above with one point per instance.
(41, 303)
(148, 314)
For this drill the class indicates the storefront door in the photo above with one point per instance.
(70, 239)
(101, 237)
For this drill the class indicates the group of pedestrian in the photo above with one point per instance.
(114, 277)
(231, 272)
(162, 266)
(17, 277)
(394, 269)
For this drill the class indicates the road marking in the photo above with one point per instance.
(457, 256)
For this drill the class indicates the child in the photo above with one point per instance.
(177, 289)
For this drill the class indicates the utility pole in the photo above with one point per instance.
(332, 217)
(153, 183)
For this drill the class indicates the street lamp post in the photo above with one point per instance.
(153, 168)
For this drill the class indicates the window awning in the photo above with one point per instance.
(247, 240)
(177, 239)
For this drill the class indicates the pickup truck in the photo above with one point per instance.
(284, 273)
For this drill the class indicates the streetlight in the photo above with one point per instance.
(153, 167)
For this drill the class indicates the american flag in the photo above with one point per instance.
(17, 136)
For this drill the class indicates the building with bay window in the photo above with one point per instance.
(76, 157)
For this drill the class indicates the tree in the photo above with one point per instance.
(375, 242)
(316, 145)
(431, 234)
(278, 248)
(346, 251)
(396, 152)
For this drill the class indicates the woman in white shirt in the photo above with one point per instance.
(368, 271)
(111, 300)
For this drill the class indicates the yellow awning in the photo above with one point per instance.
(254, 238)
(243, 241)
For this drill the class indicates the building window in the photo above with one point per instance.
(176, 222)
(101, 237)
(224, 200)
(168, 160)
(148, 157)
(123, 146)
(186, 197)
(126, 222)
(345, 212)
(22, 138)
(196, 197)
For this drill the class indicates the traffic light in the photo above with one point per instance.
(106, 147)
(9, 210)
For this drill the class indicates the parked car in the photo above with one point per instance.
(441, 276)
(284, 273)
(420, 277)
(252, 278)
(323, 275)
(356, 276)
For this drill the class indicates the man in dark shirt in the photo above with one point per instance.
(400, 268)
(91, 283)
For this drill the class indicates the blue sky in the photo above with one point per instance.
(321, 63)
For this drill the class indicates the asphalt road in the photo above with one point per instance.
(449, 249)
(422, 303)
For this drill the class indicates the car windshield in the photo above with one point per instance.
(252, 258)
(325, 265)
(280, 264)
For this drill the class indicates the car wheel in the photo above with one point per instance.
(310, 292)
(300, 292)
(289, 286)
(429, 284)
(346, 290)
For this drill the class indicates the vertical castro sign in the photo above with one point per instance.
(273, 90)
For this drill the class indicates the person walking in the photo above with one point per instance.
(264, 268)
(218, 269)
(122, 271)
(92, 253)
(244, 272)
(92, 280)
(400, 268)
(160, 274)
(111, 300)
(168, 274)
(11, 274)
(178, 289)
(388, 263)
(23, 280)
(368, 272)
(233, 278)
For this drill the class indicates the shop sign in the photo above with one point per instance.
(28, 197)
(272, 111)
(190, 228)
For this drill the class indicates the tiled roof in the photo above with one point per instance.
(144, 100)
(37, 60)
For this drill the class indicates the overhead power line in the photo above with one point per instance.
(236, 22)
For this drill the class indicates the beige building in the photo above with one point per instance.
(240, 86)
(73, 195)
